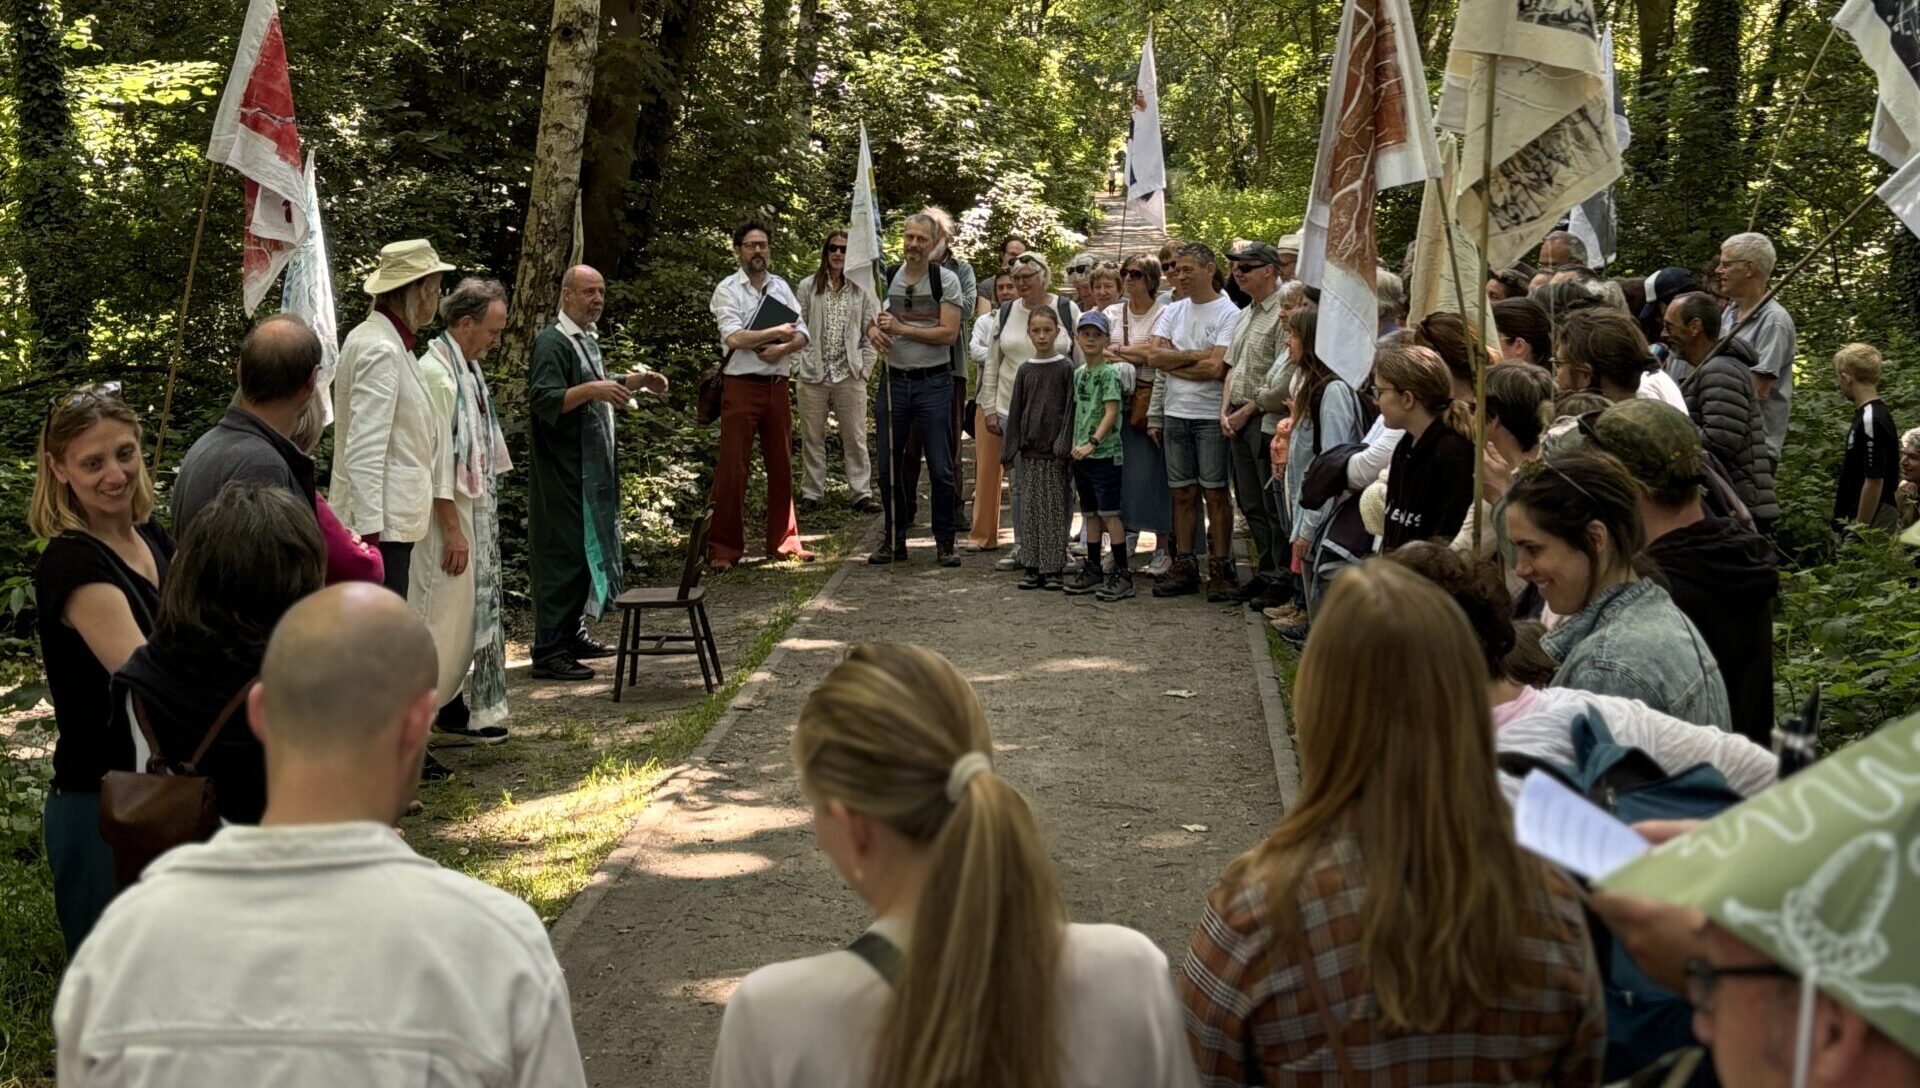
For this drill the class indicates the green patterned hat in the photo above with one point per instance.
(1822, 870)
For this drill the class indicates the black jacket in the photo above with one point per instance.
(1723, 577)
(1429, 486)
(1723, 404)
(183, 692)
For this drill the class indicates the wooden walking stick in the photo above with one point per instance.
(1480, 363)
(180, 327)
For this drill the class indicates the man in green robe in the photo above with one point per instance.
(573, 518)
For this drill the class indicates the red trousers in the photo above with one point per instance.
(749, 407)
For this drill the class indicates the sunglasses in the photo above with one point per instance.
(1248, 268)
(101, 392)
(836, 248)
(1134, 274)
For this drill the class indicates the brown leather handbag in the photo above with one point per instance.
(144, 814)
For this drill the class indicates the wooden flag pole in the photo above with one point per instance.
(180, 327)
(1480, 362)
(1786, 122)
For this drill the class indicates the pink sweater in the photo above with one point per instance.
(349, 559)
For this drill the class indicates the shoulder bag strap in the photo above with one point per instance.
(156, 761)
(1324, 1007)
(220, 723)
(881, 954)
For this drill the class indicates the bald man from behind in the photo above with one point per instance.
(318, 948)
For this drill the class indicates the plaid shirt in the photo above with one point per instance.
(1247, 1001)
(1256, 342)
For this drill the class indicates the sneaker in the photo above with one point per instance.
(1009, 562)
(1118, 588)
(1052, 582)
(432, 770)
(1087, 579)
(1076, 549)
(486, 734)
(583, 646)
(1033, 580)
(1220, 581)
(883, 556)
(560, 665)
(943, 555)
(1297, 634)
(1287, 615)
(1159, 567)
(1182, 579)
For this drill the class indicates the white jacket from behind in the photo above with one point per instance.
(384, 439)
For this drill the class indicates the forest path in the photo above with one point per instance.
(1136, 729)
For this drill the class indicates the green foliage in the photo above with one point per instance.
(31, 959)
(1216, 215)
(1852, 626)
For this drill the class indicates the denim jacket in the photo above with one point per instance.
(1633, 641)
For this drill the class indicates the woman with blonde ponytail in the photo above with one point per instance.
(970, 974)
(1430, 482)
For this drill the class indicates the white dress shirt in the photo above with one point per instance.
(733, 305)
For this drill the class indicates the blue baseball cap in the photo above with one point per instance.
(1097, 319)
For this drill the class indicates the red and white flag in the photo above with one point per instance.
(1377, 134)
(255, 133)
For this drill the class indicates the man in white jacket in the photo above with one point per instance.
(385, 441)
(318, 949)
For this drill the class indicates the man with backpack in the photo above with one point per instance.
(916, 331)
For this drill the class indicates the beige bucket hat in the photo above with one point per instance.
(403, 262)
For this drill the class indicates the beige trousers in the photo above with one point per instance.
(847, 400)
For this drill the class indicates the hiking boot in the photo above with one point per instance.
(1287, 615)
(1052, 583)
(883, 556)
(1033, 580)
(1220, 581)
(1182, 579)
(943, 555)
(1118, 588)
(1086, 580)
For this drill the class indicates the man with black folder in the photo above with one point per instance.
(916, 332)
(760, 328)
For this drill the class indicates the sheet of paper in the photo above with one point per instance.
(1572, 832)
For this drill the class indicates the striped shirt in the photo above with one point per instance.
(1251, 1018)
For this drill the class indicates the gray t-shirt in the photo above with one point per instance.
(912, 304)
(1770, 334)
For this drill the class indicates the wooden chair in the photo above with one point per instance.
(690, 597)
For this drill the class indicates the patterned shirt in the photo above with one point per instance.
(1095, 387)
(1248, 1003)
(833, 338)
(1256, 341)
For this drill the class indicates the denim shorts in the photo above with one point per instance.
(1097, 480)
(1196, 453)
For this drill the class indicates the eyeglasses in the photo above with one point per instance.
(1703, 979)
(831, 248)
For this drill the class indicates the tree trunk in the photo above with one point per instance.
(47, 179)
(1761, 111)
(1709, 159)
(775, 36)
(548, 235)
(1648, 154)
(682, 28)
(619, 84)
(806, 58)
(1260, 102)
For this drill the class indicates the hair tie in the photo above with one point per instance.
(963, 771)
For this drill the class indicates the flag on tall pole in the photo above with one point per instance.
(254, 132)
(1444, 281)
(865, 263)
(1593, 220)
(308, 292)
(1376, 134)
(1888, 37)
(1146, 163)
(1553, 140)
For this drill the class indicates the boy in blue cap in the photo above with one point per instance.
(1098, 394)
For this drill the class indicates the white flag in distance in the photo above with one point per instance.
(255, 133)
(865, 264)
(1146, 163)
(1377, 133)
(308, 292)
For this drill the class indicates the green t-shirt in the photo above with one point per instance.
(1093, 388)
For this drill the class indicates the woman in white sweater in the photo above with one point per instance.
(1538, 720)
(970, 973)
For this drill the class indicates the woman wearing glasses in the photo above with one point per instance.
(1145, 503)
(97, 587)
(1574, 520)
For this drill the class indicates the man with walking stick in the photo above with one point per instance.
(916, 331)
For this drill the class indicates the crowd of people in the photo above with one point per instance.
(1610, 574)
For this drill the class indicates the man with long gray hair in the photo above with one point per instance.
(455, 583)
